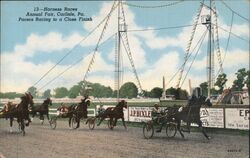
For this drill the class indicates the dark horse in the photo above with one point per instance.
(114, 113)
(190, 113)
(42, 109)
(80, 111)
(19, 111)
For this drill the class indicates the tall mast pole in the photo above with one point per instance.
(210, 52)
(118, 68)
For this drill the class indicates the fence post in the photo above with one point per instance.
(224, 115)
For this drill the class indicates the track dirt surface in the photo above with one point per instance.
(42, 142)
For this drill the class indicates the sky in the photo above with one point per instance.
(29, 49)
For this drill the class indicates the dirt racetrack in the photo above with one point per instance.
(42, 142)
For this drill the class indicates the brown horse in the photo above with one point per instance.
(19, 111)
(114, 113)
(42, 109)
(190, 113)
(80, 111)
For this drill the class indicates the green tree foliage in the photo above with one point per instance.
(61, 92)
(10, 95)
(171, 91)
(99, 90)
(156, 92)
(204, 88)
(241, 79)
(178, 93)
(33, 91)
(220, 82)
(74, 91)
(181, 94)
(128, 90)
(47, 93)
(145, 93)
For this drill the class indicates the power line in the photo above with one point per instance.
(203, 37)
(190, 43)
(189, 55)
(70, 51)
(235, 11)
(152, 7)
(60, 74)
(228, 39)
(92, 60)
(232, 33)
(161, 28)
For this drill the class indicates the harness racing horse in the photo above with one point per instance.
(114, 113)
(76, 111)
(19, 111)
(190, 113)
(80, 111)
(42, 109)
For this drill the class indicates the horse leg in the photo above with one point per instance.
(33, 115)
(47, 115)
(11, 124)
(123, 121)
(41, 118)
(202, 129)
(188, 126)
(78, 122)
(70, 121)
(26, 116)
(111, 123)
(179, 128)
(22, 126)
(100, 121)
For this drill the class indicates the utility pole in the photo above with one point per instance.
(207, 20)
(121, 28)
(210, 51)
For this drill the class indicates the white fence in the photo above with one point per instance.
(231, 118)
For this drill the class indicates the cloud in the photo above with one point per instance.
(19, 74)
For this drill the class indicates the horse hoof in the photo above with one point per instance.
(208, 138)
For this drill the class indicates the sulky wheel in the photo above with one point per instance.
(171, 130)
(148, 130)
(91, 122)
(73, 122)
(52, 123)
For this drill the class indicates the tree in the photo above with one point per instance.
(241, 75)
(74, 91)
(178, 93)
(220, 82)
(33, 91)
(61, 92)
(47, 93)
(128, 90)
(204, 88)
(181, 94)
(156, 92)
(10, 95)
(99, 90)
(171, 91)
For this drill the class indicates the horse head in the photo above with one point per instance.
(87, 102)
(123, 104)
(30, 99)
(202, 100)
(49, 101)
